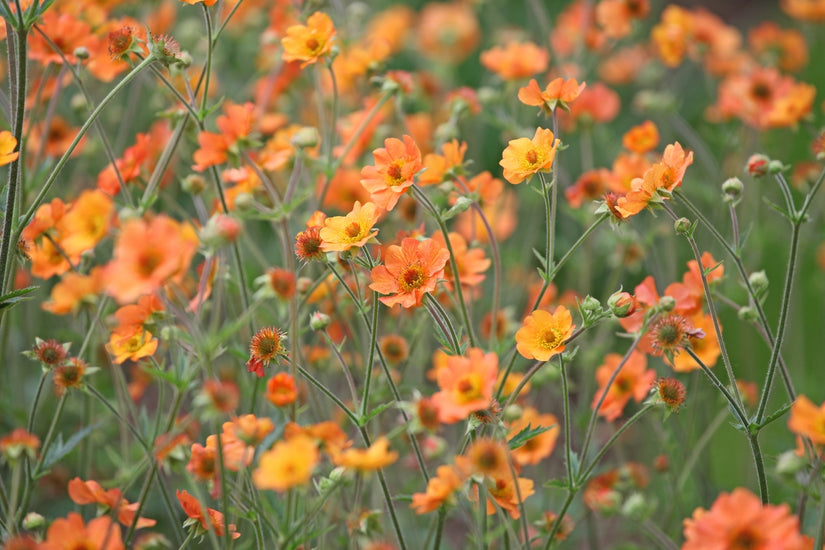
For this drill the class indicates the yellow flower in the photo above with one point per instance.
(288, 464)
(524, 157)
(355, 229)
(7, 145)
(376, 457)
(542, 335)
(310, 42)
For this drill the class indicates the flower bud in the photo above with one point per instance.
(193, 184)
(759, 281)
(591, 305)
(757, 165)
(319, 321)
(789, 463)
(747, 314)
(33, 521)
(732, 187)
(667, 303)
(82, 53)
(303, 284)
(775, 166)
(682, 226)
(636, 507)
(306, 137)
(244, 201)
(621, 304)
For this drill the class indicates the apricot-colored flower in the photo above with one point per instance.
(672, 35)
(86, 223)
(504, 493)
(73, 290)
(281, 390)
(524, 157)
(70, 533)
(597, 104)
(590, 185)
(377, 456)
(559, 92)
(8, 144)
(466, 384)
(213, 519)
(808, 420)
(69, 375)
(642, 138)
(539, 447)
(740, 520)
(439, 489)
(203, 462)
(471, 262)
(485, 457)
(784, 47)
(353, 230)
(288, 464)
(17, 443)
(309, 43)
(615, 17)
(804, 10)
(132, 342)
(516, 60)
(542, 334)
(447, 31)
(706, 347)
(90, 492)
(147, 255)
(409, 271)
(633, 380)
(396, 164)
(206, 3)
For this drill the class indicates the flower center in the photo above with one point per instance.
(468, 388)
(394, 174)
(550, 339)
(148, 261)
(312, 44)
(531, 156)
(353, 230)
(745, 540)
(412, 278)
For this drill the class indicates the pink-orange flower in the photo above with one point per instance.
(559, 92)
(439, 489)
(524, 157)
(396, 165)
(213, 519)
(466, 384)
(309, 43)
(70, 533)
(516, 60)
(409, 271)
(538, 447)
(634, 380)
(377, 456)
(740, 520)
(808, 420)
(542, 334)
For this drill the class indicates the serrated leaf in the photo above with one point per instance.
(540, 256)
(707, 271)
(777, 208)
(59, 449)
(526, 434)
(16, 296)
(375, 412)
(776, 415)
(556, 483)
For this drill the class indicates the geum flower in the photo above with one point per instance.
(808, 420)
(341, 233)
(396, 165)
(558, 93)
(213, 519)
(439, 489)
(70, 533)
(309, 43)
(524, 157)
(409, 272)
(634, 380)
(466, 385)
(543, 334)
(658, 181)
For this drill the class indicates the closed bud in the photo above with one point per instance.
(303, 284)
(747, 314)
(775, 166)
(667, 303)
(306, 137)
(790, 463)
(244, 201)
(81, 52)
(732, 187)
(33, 521)
(193, 184)
(319, 321)
(682, 226)
(636, 507)
(758, 280)
(621, 304)
(591, 305)
(757, 165)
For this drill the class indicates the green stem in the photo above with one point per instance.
(399, 534)
(18, 59)
(208, 69)
(738, 411)
(697, 448)
(315, 382)
(820, 524)
(373, 328)
(440, 317)
(439, 530)
(36, 401)
(632, 420)
(422, 197)
(568, 443)
(760, 467)
(568, 500)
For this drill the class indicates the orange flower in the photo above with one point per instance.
(376, 457)
(206, 3)
(672, 35)
(523, 157)
(504, 493)
(515, 61)
(785, 48)
(73, 290)
(147, 255)
(740, 520)
(90, 492)
(71, 533)
(805, 10)
(396, 164)
(281, 390)
(192, 507)
(706, 347)
(542, 334)
(69, 375)
(353, 230)
(8, 144)
(86, 223)
(615, 16)
(808, 420)
(265, 346)
(288, 464)
(590, 185)
(559, 92)
(537, 448)
(485, 457)
(447, 31)
(409, 271)
(17, 443)
(633, 380)
(471, 262)
(596, 104)
(132, 342)
(439, 489)
(309, 43)
(466, 384)
(642, 138)
(203, 463)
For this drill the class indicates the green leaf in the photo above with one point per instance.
(526, 434)
(556, 484)
(776, 416)
(59, 449)
(375, 412)
(16, 296)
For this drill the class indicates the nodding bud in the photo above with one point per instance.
(775, 166)
(732, 187)
(682, 226)
(667, 303)
(621, 304)
(33, 521)
(757, 165)
(319, 321)
(747, 314)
